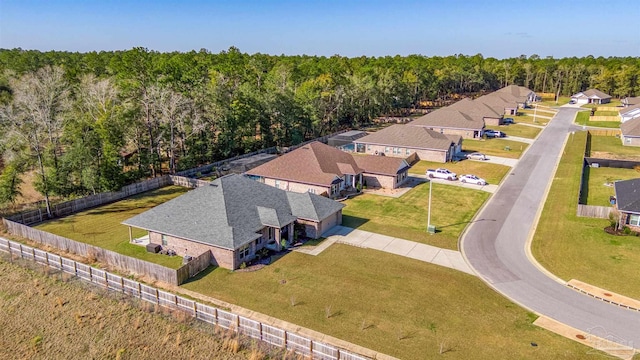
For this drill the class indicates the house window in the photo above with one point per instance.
(164, 239)
(271, 233)
(634, 219)
(259, 241)
(244, 251)
(368, 147)
(408, 152)
(397, 151)
(334, 189)
(312, 191)
(386, 149)
(627, 140)
(277, 185)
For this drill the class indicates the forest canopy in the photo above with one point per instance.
(92, 122)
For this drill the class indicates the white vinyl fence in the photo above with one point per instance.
(209, 314)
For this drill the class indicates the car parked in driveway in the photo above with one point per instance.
(494, 134)
(472, 179)
(476, 156)
(441, 173)
(508, 121)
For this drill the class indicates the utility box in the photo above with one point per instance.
(431, 229)
(153, 248)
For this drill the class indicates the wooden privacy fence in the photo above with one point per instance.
(188, 182)
(607, 108)
(91, 201)
(592, 211)
(614, 118)
(209, 314)
(603, 132)
(111, 258)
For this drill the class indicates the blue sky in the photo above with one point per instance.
(499, 29)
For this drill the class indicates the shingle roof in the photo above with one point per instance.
(450, 118)
(477, 108)
(631, 127)
(628, 195)
(314, 163)
(593, 94)
(410, 136)
(497, 101)
(516, 92)
(381, 165)
(630, 109)
(229, 212)
(631, 100)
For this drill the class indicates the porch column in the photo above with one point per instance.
(278, 236)
(353, 181)
(290, 233)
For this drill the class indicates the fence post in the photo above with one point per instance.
(285, 340)
(90, 275)
(75, 267)
(33, 252)
(46, 257)
(122, 283)
(10, 253)
(61, 267)
(195, 309)
(20, 248)
(157, 296)
(238, 324)
(106, 280)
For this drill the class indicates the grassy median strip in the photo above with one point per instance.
(572, 247)
(101, 226)
(492, 173)
(495, 147)
(398, 306)
(452, 208)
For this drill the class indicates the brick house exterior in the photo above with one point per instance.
(233, 218)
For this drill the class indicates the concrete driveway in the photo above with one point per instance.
(498, 250)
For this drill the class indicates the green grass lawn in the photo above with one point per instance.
(452, 208)
(526, 119)
(518, 130)
(578, 248)
(600, 183)
(561, 101)
(101, 226)
(612, 103)
(495, 147)
(611, 147)
(582, 118)
(492, 173)
(540, 111)
(398, 306)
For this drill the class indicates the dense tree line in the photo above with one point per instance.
(91, 122)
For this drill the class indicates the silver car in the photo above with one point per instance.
(476, 156)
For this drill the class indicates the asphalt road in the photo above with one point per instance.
(495, 245)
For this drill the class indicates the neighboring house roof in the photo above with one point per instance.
(448, 117)
(628, 195)
(381, 165)
(592, 94)
(518, 93)
(350, 135)
(314, 163)
(416, 137)
(230, 211)
(498, 101)
(630, 111)
(631, 128)
(631, 101)
(477, 108)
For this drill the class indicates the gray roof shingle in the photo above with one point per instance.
(628, 195)
(593, 94)
(229, 212)
(631, 127)
(410, 136)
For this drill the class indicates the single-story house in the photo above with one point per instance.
(316, 168)
(382, 171)
(234, 217)
(501, 103)
(523, 96)
(629, 113)
(630, 101)
(627, 193)
(630, 132)
(405, 140)
(479, 110)
(450, 121)
(345, 138)
(591, 96)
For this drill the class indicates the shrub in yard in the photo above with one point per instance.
(626, 230)
(243, 265)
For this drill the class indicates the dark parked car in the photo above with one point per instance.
(508, 121)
